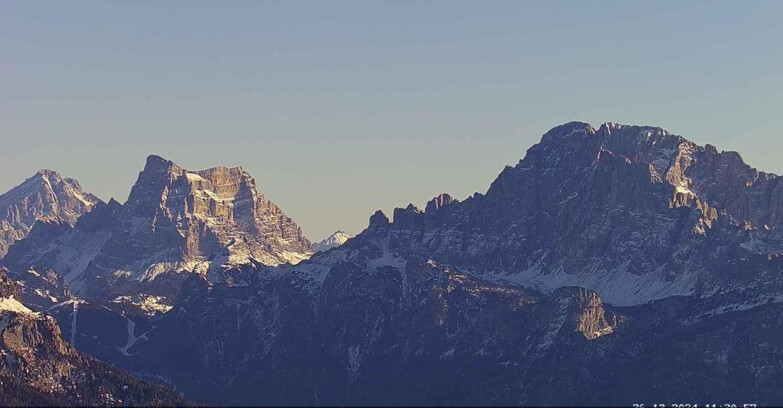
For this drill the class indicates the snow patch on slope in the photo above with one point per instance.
(132, 338)
(293, 258)
(74, 316)
(738, 307)
(387, 258)
(615, 286)
(150, 304)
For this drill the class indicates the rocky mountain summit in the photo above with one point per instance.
(44, 196)
(615, 266)
(220, 204)
(174, 221)
(336, 239)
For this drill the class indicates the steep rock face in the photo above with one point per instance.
(46, 195)
(37, 367)
(332, 241)
(174, 221)
(176, 215)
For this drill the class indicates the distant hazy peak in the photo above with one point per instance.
(336, 239)
(45, 195)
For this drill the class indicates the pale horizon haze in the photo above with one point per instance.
(342, 108)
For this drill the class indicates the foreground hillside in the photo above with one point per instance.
(39, 368)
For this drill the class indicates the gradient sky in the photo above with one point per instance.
(342, 108)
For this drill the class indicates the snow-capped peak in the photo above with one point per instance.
(334, 240)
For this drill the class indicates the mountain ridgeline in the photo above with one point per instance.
(610, 266)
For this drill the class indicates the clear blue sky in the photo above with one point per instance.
(341, 108)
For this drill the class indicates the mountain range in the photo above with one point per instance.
(609, 266)
(175, 222)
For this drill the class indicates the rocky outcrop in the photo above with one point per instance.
(8, 287)
(44, 196)
(585, 310)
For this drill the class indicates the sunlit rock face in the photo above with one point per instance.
(206, 211)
